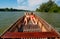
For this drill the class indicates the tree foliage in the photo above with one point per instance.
(11, 9)
(50, 6)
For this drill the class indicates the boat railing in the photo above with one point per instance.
(47, 26)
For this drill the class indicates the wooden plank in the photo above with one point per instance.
(29, 35)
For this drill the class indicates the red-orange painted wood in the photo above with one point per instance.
(29, 34)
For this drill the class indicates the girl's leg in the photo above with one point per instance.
(25, 21)
(33, 21)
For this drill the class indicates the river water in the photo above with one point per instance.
(8, 18)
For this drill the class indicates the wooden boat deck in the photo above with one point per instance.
(30, 35)
(31, 28)
(41, 30)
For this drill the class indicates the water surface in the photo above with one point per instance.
(8, 18)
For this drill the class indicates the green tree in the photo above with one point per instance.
(37, 9)
(54, 8)
(6, 9)
(50, 6)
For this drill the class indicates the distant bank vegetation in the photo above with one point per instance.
(50, 6)
(11, 9)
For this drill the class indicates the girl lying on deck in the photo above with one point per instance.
(33, 19)
(26, 18)
(30, 17)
